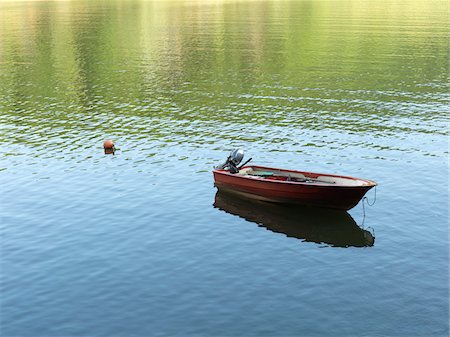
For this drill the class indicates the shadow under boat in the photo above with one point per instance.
(320, 225)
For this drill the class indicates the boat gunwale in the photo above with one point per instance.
(370, 183)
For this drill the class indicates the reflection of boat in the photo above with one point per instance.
(288, 186)
(334, 227)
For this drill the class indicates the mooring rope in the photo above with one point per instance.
(366, 200)
(374, 198)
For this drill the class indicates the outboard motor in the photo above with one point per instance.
(233, 160)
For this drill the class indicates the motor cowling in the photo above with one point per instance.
(236, 156)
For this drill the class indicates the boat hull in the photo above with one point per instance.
(320, 195)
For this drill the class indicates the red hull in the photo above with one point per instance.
(305, 193)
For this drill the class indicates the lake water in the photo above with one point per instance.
(139, 244)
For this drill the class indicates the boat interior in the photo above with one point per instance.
(281, 175)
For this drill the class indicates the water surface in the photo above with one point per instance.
(139, 244)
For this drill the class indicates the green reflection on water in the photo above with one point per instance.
(77, 69)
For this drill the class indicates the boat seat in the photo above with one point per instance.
(261, 173)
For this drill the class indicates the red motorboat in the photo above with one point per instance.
(289, 186)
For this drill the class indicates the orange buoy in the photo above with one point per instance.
(108, 144)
